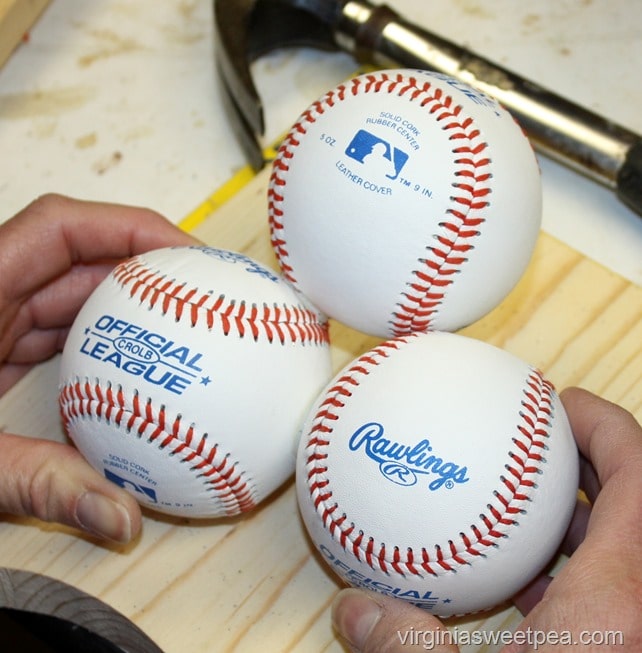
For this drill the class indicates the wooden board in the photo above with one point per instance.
(16, 18)
(254, 583)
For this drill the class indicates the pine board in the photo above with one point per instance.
(254, 583)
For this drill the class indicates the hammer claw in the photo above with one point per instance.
(245, 30)
(574, 136)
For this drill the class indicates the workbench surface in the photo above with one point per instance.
(118, 101)
(113, 101)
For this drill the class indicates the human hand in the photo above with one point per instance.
(52, 256)
(595, 601)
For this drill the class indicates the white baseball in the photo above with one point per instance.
(440, 470)
(186, 376)
(405, 201)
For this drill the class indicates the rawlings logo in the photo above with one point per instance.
(474, 94)
(234, 257)
(401, 463)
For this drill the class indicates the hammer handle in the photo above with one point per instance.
(578, 138)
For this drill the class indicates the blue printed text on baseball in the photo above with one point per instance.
(140, 352)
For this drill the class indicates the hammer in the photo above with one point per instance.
(375, 34)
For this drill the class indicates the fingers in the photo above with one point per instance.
(606, 434)
(604, 568)
(589, 482)
(531, 595)
(45, 239)
(54, 253)
(527, 598)
(57, 303)
(611, 439)
(35, 329)
(577, 529)
(52, 482)
(35, 346)
(10, 374)
(373, 623)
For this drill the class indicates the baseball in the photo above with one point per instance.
(440, 470)
(186, 376)
(404, 201)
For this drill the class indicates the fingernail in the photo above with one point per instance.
(354, 615)
(103, 517)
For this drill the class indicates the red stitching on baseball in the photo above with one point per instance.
(280, 323)
(524, 464)
(82, 400)
(420, 302)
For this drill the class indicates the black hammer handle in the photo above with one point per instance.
(578, 138)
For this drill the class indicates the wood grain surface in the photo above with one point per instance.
(254, 583)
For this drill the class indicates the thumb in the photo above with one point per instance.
(54, 483)
(373, 623)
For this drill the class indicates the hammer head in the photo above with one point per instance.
(248, 29)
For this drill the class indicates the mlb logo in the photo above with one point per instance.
(376, 154)
(126, 484)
